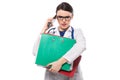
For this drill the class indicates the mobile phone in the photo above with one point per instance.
(50, 23)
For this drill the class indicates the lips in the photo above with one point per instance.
(63, 24)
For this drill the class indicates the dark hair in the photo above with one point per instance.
(65, 6)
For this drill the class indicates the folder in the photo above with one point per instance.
(52, 48)
(72, 72)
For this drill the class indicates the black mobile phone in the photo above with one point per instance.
(50, 23)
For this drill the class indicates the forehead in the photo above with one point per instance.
(63, 13)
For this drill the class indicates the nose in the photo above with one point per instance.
(64, 20)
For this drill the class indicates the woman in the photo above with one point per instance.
(64, 15)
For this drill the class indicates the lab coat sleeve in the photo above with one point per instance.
(77, 48)
(36, 45)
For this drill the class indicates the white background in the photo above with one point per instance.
(22, 20)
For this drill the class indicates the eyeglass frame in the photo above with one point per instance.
(67, 18)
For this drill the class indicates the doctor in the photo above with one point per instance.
(64, 15)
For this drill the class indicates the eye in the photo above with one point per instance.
(67, 17)
(63, 17)
(59, 16)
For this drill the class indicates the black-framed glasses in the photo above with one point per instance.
(67, 18)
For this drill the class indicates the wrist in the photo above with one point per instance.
(44, 30)
(62, 61)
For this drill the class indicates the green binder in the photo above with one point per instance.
(51, 48)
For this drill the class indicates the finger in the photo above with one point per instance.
(50, 19)
(49, 66)
(51, 70)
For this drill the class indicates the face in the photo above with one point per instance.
(64, 18)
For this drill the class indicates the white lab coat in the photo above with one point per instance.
(71, 55)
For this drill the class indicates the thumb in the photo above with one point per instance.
(49, 66)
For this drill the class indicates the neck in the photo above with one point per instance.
(60, 29)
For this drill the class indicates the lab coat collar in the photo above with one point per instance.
(67, 33)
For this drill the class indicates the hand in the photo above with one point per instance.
(46, 25)
(56, 66)
(49, 21)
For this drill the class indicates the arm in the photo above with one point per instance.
(77, 48)
(72, 54)
(45, 28)
(36, 45)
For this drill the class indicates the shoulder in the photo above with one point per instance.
(77, 30)
(78, 33)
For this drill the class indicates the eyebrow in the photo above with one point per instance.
(64, 16)
(61, 15)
